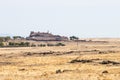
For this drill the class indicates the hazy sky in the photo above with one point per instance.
(83, 18)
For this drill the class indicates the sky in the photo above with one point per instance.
(82, 18)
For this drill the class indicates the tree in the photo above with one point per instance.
(73, 38)
(1, 39)
(17, 37)
(7, 38)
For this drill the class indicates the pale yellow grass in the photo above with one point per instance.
(45, 67)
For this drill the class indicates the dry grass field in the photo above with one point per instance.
(85, 61)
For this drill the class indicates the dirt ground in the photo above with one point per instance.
(82, 61)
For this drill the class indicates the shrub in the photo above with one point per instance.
(58, 71)
(33, 45)
(21, 44)
(27, 44)
(60, 44)
(50, 45)
(1, 44)
(11, 44)
(42, 45)
(81, 61)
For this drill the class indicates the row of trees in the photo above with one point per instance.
(21, 44)
(28, 44)
(14, 44)
(4, 39)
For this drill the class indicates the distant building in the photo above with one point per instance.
(42, 36)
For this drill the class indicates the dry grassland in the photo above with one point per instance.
(87, 61)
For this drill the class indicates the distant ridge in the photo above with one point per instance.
(45, 36)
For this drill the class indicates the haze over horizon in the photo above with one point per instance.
(82, 18)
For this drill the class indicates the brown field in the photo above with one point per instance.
(87, 61)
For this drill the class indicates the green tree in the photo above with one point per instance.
(73, 38)
(16, 37)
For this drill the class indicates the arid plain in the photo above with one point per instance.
(94, 60)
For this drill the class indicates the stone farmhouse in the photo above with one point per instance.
(45, 36)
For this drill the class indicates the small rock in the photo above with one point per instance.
(105, 71)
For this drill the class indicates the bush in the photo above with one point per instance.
(22, 44)
(27, 43)
(50, 45)
(11, 44)
(42, 45)
(33, 45)
(1, 44)
(60, 44)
